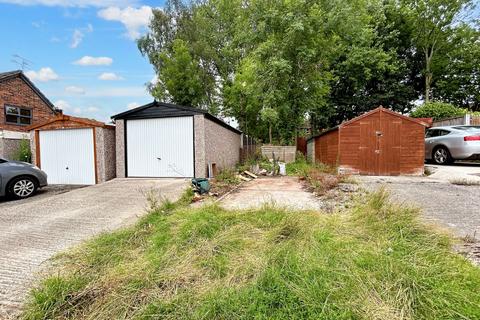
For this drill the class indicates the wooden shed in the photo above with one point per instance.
(74, 150)
(379, 142)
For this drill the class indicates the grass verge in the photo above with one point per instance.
(373, 262)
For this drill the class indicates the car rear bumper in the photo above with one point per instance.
(466, 152)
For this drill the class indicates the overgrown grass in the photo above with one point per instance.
(320, 177)
(373, 262)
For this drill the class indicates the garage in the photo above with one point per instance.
(379, 142)
(163, 140)
(74, 151)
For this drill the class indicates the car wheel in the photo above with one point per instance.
(441, 155)
(22, 187)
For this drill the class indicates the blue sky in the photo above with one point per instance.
(83, 52)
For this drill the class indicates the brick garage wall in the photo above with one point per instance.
(105, 149)
(222, 146)
(17, 93)
(199, 129)
(9, 148)
(120, 147)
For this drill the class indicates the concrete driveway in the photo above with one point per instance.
(458, 171)
(33, 230)
(281, 191)
(453, 206)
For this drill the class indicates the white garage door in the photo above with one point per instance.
(160, 147)
(67, 156)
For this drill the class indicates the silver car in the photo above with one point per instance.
(20, 179)
(444, 145)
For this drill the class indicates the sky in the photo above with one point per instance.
(81, 54)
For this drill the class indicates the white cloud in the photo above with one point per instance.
(79, 34)
(73, 3)
(94, 61)
(75, 90)
(133, 105)
(77, 37)
(42, 75)
(92, 109)
(62, 104)
(135, 20)
(109, 76)
(77, 111)
(118, 92)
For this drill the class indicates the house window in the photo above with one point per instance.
(18, 115)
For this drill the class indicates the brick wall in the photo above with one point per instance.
(105, 143)
(222, 146)
(17, 93)
(199, 129)
(120, 147)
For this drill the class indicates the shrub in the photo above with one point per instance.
(227, 176)
(24, 153)
(438, 111)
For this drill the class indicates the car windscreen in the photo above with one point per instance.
(467, 128)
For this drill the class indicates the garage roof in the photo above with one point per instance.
(166, 110)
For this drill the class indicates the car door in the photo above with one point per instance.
(430, 136)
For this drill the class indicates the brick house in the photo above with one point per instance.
(21, 105)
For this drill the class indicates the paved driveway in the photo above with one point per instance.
(33, 230)
(453, 206)
(280, 191)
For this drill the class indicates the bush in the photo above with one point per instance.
(438, 111)
(24, 153)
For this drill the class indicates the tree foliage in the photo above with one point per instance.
(324, 61)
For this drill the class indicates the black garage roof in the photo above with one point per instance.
(167, 110)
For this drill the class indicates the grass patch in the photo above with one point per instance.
(374, 262)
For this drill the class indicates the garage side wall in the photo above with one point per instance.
(311, 150)
(222, 146)
(199, 143)
(349, 145)
(120, 147)
(412, 152)
(105, 153)
(326, 148)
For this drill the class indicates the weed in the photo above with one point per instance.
(227, 176)
(376, 261)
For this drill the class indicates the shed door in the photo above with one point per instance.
(380, 144)
(160, 147)
(67, 156)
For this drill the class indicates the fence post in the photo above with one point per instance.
(467, 119)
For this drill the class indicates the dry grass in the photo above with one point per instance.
(373, 262)
(465, 182)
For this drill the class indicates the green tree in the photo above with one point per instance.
(434, 22)
(182, 80)
(270, 116)
(459, 82)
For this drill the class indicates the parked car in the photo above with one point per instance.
(444, 145)
(20, 179)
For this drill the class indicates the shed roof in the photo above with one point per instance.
(422, 122)
(19, 73)
(63, 117)
(158, 109)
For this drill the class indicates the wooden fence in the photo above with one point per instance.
(248, 149)
(468, 119)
